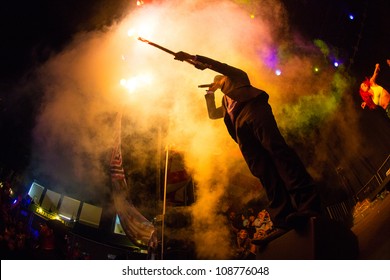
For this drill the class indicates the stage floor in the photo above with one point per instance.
(372, 227)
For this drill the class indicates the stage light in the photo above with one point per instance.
(123, 82)
(132, 33)
(64, 217)
(278, 72)
(351, 17)
(336, 64)
(133, 83)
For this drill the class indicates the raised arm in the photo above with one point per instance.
(375, 74)
(202, 62)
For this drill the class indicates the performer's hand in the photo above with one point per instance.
(363, 105)
(200, 66)
(182, 56)
(214, 87)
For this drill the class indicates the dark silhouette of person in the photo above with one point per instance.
(292, 194)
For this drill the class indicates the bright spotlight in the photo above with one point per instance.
(123, 82)
(135, 82)
(278, 72)
(140, 31)
(132, 33)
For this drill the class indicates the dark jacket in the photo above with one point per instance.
(237, 86)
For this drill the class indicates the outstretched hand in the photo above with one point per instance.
(182, 56)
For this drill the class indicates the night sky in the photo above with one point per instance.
(32, 31)
(362, 39)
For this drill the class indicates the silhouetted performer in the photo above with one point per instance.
(292, 194)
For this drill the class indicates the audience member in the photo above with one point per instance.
(263, 224)
(245, 249)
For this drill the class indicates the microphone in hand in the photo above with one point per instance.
(205, 85)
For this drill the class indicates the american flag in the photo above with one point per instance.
(116, 168)
(139, 229)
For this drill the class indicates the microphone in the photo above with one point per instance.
(206, 85)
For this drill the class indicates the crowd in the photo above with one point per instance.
(22, 237)
(15, 237)
(245, 227)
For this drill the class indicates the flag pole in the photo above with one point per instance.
(164, 201)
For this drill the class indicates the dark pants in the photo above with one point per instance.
(288, 185)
